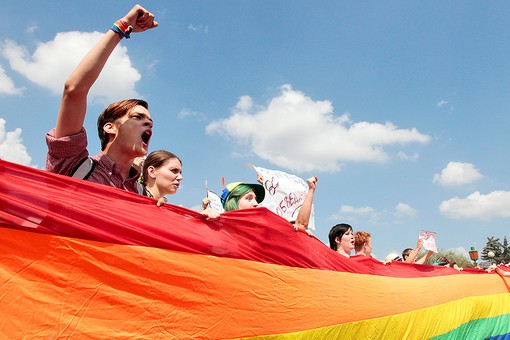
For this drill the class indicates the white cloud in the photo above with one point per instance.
(245, 103)
(7, 85)
(151, 67)
(298, 133)
(356, 215)
(477, 206)
(32, 29)
(442, 103)
(405, 157)
(185, 113)
(457, 174)
(11, 146)
(459, 251)
(347, 209)
(402, 210)
(199, 28)
(52, 62)
(445, 105)
(367, 214)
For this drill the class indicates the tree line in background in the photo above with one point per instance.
(500, 249)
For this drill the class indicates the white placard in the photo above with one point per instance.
(285, 194)
(215, 203)
(429, 240)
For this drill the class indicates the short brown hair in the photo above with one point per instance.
(156, 159)
(113, 112)
(360, 238)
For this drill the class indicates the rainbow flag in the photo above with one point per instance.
(81, 260)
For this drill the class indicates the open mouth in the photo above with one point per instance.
(146, 136)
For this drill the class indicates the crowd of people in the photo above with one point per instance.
(125, 130)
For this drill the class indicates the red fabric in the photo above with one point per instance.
(44, 202)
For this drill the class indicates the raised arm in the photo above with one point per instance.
(414, 253)
(424, 258)
(74, 99)
(303, 217)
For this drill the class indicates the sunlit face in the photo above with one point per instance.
(167, 177)
(247, 201)
(346, 243)
(134, 131)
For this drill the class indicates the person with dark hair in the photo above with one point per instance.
(362, 244)
(125, 127)
(341, 239)
(409, 254)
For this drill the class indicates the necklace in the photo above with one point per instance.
(149, 194)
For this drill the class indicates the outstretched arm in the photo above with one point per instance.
(74, 99)
(303, 217)
(502, 272)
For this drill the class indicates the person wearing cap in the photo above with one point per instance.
(240, 195)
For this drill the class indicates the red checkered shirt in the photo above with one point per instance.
(65, 154)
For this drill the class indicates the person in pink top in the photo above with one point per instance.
(125, 127)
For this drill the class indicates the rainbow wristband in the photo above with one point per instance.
(120, 28)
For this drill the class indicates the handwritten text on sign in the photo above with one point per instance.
(284, 193)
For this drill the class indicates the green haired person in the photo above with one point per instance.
(239, 195)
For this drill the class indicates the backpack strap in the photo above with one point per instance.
(84, 169)
(140, 188)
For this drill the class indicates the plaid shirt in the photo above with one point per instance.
(65, 154)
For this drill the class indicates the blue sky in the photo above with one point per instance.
(401, 108)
